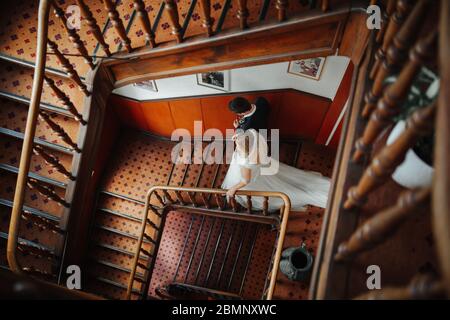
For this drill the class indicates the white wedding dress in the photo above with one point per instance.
(302, 187)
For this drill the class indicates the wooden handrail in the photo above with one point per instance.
(441, 182)
(248, 193)
(30, 129)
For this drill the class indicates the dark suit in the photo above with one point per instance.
(258, 120)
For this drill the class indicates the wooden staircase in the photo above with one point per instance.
(63, 123)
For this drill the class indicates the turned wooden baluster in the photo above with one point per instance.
(52, 161)
(152, 224)
(387, 14)
(147, 253)
(396, 54)
(156, 212)
(281, 6)
(233, 204)
(59, 131)
(242, 13)
(172, 10)
(46, 192)
(41, 222)
(192, 198)
(93, 26)
(325, 5)
(67, 66)
(266, 206)
(386, 161)
(158, 197)
(402, 10)
(218, 201)
(139, 6)
(207, 23)
(149, 238)
(65, 100)
(422, 286)
(249, 204)
(205, 200)
(73, 36)
(380, 227)
(168, 197)
(116, 21)
(179, 197)
(394, 95)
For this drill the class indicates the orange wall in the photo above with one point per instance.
(295, 113)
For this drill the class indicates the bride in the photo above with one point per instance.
(244, 173)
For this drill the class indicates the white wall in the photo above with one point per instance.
(263, 77)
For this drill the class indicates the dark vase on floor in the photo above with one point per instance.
(296, 263)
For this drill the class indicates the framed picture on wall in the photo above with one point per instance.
(149, 85)
(219, 80)
(308, 68)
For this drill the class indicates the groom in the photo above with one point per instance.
(250, 115)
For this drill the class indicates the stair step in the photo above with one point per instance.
(116, 275)
(29, 231)
(116, 238)
(116, 254)
(13, 116)
(18, 80)
(10, 151)
(114, 204)
(120, 224)
(41, 264)
(40, 142)
(44, 106)
(116, 266)
(42, 214)
(32, 197)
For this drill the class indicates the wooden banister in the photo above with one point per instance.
(30, 129)
(395, 95)
(441, 181)
(395, 53)
(387, 160)
(282, 221)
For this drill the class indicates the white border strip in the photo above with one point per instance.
(341, 115)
